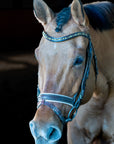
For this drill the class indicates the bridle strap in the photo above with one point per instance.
(64, 38)
(49, 98)
(54, 109)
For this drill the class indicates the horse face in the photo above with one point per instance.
(61, 65)
(61, 68)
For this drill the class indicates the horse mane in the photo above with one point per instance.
(100, 15)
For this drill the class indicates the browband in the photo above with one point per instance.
(65, 38)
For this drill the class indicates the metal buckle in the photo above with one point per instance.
(72, 113)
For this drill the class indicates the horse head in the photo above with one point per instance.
(61, 67)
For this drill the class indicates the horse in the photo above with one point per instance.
(76, 74)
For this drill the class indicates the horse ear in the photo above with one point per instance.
(42, 12)
(78, 13)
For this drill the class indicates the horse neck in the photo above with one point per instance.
(103, 42)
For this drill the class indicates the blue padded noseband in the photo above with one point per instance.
(49, 98)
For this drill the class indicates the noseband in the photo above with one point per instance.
(49, 98)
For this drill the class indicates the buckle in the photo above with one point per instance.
(72, 113)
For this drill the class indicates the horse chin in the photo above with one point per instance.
(41, 140)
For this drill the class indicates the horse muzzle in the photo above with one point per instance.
(46, 131)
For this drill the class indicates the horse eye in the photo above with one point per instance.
(78, 61)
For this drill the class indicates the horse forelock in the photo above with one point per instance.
(62, 18)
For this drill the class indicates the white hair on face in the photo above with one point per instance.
(79, 42)
(55, 46)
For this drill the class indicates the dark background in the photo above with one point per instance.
(20, 34)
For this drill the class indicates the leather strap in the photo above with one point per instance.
(51, 97)
(65, 38)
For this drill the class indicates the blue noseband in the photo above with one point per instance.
(49, 98)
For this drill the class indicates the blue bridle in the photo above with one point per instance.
(49, 98)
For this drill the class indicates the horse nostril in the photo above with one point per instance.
(54, 134)
(49, 133)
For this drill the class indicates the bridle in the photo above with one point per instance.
(48, 98)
